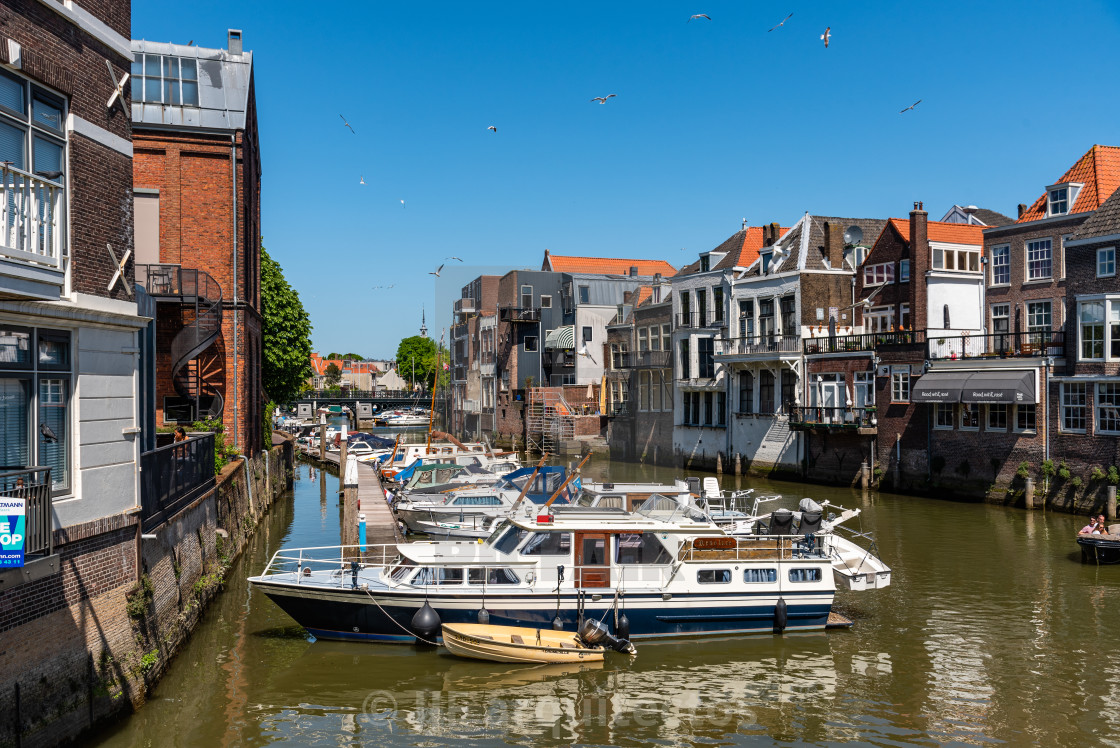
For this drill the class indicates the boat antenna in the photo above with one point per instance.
(529, 482)
(567, 480)
(435, 386)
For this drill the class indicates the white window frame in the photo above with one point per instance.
(1015, 423)
(655, 338)
(1035, 245)
(942, 409)
(966, 410)
(1100, 325)
(1051, 201)
(1108, 261)
(1100, 407)
(904, 271)
(873, 319)
(991, 409)
(957, 255)
(900, 387)
(1006, 308)
(1065, 392)
(878, 275)
(997, 252)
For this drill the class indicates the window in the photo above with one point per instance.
(654, 339)
(760, 576)
(864, 389)
(746, 319)
(643, 390)
(714, 576)
(35, 400)
(904, 271)
(717, 304)
(491, 575)
(1059, 201)
(789, 316)
(686, 360)
(1038, 316)
(766, 392)
(765, 258)
(788, 382)
(1001, 265)
(997, 417)
(746, 392)
(880, 319)
(1091, 319)
(877, 275)
(641, 548)
(1024, 417)
(1039, 259)
(530, 343)
(705, 263)
(704, 351)
(654, 390)
(587, 335)
(686, 309)
(805, 575)
(1106, 262)
(970, 416)
(165, 80)
(585, 294)
(1108, 407)
(1072, 402)
(765, 318)
(510, 540)
(702, 306)
(721, 408)
(1001, 318)
(526, 297)
(548, 544)
(961, 260)
(666, 390)
(477, 501)
(708, 404)
(643, 339)
(1114, 328)
(900, 387)
(546, 301)
(904, 316)
(943, 416)
(666, 337)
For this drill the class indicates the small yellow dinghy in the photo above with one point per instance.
(516, 644)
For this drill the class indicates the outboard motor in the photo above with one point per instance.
(808, 505)
(594, 634)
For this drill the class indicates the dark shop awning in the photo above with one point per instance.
(939, 387)
(1009, 386)
(1001, 386)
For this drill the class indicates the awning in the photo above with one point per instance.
(1001, 386)
(562, 338)
(993, 386)
(939, 387)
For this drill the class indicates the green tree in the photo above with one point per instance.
(424, 353)
(285, 332)
(333, 375)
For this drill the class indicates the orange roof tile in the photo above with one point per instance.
(1098, 170)
(938, 231)
(645, 292)
(605, 265)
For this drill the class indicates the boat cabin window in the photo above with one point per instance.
(641, 548)
(760, 576)
(714, 576)
(477, 501)
(804, 575)
(510, 540)
(469, 461)
(498, 575)
(401, 572)
(548, 544)
(614, 502)
(444, 475)
(438, 575)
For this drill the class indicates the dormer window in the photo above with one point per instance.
(705, 263)
(1059, 201)
(765, 258)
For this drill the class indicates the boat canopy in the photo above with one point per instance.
(544, 485)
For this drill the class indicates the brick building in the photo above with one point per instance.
(198, 237)
(473, 386)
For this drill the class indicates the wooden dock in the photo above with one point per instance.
(367, 498)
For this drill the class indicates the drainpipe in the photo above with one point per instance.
(1046, 427)
(233, 174)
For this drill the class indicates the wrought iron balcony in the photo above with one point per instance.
(519, 314)
(464, 306)
(32, 234)
(643, 360)
(1036, 344)
(845, 418)
(171, 477)
(758, 346)
(33, 485)
(867, 341)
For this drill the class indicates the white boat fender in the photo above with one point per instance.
(780, 615)
(426, 623)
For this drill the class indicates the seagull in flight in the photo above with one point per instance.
(491, 128)
(783, 23)
(826, 36)
(603, 99)
(698, 15)
(402, 202)
(347, 124)
(907, 109)
(587, 354)
(361, 180)
(436, 272)
(453, 257)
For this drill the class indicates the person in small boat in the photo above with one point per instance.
(1096, 526)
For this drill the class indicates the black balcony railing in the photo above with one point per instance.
(172, 477)
(867, 341)
(33, 485)
(845, 417)
(643, 360)
(519, 314)
(758, 345)
(1035, 344)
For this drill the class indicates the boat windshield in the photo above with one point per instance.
(498, 531)
(665, 509)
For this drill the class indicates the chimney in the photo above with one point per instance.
(919, 264)
(235, 41)
(834, 244)
(627, 296)
(1022, 209)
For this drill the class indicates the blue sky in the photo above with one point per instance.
(713, 122)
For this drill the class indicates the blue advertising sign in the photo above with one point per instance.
(13, 530)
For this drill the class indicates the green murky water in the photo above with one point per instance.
(992, 632)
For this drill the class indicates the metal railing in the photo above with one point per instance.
(173, 476)
(518, 314)
(838, 417)
(696, 319)
(645, 360)
(867, 341)
(753, 548)
(31, 217)
(33, 485)
(758, 345)
(997, 345)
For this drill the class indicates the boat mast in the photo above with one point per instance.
(435, 385)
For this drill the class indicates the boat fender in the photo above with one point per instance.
(426, 623)
(557, 624)
(483, 616)
(622, 630)
(780, 615)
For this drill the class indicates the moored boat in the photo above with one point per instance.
(516, 644)
(1100, 549)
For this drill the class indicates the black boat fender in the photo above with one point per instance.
(426, 623)
(780, 615)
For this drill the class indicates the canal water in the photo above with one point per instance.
(992, 632)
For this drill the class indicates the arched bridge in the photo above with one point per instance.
(364, 403)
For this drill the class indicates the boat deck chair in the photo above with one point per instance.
(781, 522)
(711, 488)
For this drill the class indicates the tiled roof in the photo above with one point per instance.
(605, 265)
(937, 231)
(992, 218)
(871, 227)
(1098, 170)
(1105, 222)
(741, 250)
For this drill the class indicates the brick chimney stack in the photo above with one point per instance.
(1022, 209)
(919, 264)
(771, 233)
(834, 244)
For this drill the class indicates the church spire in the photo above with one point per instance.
(423, 324)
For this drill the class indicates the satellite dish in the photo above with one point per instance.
(853, 235)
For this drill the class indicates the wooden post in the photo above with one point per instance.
(719, 464)
(323, 437)
(864, 475)
(1029, 493)
(343, 443)
(1111, 505)
(738, 464)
